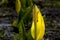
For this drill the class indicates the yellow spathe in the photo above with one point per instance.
(18, 6)
(40, 26)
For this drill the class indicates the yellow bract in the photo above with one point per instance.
(18, 6)
(40, 26)
(14, 23)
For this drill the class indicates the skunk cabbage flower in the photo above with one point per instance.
(18, 6)
(39, 26)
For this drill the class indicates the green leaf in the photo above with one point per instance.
(16, 36)
(29, 37)
(24, 14)
(23, 3)
(22, 31)
(28, 3)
